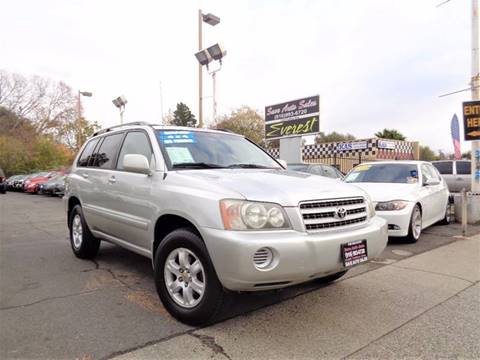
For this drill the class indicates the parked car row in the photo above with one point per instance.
(45, 182)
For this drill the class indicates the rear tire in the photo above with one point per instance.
(185, 278)
(331, 278)
(415, 227)
(84, 244)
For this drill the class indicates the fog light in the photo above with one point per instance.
(393, 227)
(263, 258)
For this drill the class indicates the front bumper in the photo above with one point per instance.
(398, 220)
(300, 256)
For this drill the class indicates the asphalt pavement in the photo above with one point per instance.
(415, 300)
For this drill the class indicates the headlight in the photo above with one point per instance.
(251, 215)
(391, 205)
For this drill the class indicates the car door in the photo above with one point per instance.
(130, 194)
(101, 169)
(440, 195)
(429, 197)
(463, 173)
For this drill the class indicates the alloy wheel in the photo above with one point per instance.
(77, 231)
(416, 223)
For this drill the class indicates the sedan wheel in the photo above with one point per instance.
(415, 228)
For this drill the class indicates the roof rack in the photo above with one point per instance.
(102, 131)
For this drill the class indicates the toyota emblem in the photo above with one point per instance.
(341, 213)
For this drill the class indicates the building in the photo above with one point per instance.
(345, 155)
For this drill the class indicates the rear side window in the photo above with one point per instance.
(105, 156)
(330, 172)
(136, 142)
(444, 167)
(464, 168)
(87, 153)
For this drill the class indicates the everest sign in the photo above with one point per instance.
(293, 118)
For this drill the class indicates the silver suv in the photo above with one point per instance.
(214, 212)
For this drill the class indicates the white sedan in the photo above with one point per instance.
(410, 195)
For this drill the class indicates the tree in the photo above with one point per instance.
(182, 116)
(427, 154)
(467, 155)
(390, 134)
(245, 121)
(333, 137)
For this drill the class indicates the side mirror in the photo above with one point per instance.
(431, 182)
(282, 162)
(136, 163)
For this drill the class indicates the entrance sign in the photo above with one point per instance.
(292, 118)
(471, 120)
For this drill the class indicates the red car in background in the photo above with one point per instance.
(32, 183)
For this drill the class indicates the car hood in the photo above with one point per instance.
(284, 187)
(389, 191)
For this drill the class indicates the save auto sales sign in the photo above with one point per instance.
(292, 118)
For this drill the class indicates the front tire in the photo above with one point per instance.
(185, 278)
(84, 244)
(415, 227)
(447, 219)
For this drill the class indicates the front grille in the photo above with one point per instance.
(318, 215)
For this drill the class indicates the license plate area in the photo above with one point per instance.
(354, 253)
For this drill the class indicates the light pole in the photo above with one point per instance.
(120, 103)
(211, 20)
(79, 103)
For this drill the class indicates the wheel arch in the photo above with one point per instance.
(72, 202)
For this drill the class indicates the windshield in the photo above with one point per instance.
(202, 150)
(384, 173)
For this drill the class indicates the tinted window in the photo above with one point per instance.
(105, 156)
(384, 173)
(444, 167)
(87, 153)
(464, 168)
(135, 143)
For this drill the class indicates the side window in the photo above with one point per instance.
(316, 169)
(105, 156)
(464, 168)
(444, 167)
(426, 173)
(136, 142)
(433, 171)
(87, 153)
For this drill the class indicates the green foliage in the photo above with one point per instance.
(245, 121)
(182, 116)
(427, 154)
(333, 137)
(390, 134)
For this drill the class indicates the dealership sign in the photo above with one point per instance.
(292, 118)
(386, 144)
(471, 120)
(357, 145)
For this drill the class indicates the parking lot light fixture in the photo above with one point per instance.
(120, 103)
(203, 57)
(217, 52)
(210, 19)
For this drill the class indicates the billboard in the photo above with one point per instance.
(471, 120)
(293, 118)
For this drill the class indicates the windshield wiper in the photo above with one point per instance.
(248, 166)
(196, 165)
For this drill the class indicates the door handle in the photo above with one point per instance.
(112, 180)
(85, 175)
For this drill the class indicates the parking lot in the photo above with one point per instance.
(404, 303)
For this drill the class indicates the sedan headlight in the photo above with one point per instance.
(391, 205)
(252, 215)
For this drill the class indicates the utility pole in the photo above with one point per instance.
(475, 83)
(200, 74)
(214, 80)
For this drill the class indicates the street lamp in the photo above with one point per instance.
(211, 20)
(205, 57)
(120, 103)
(79, 103)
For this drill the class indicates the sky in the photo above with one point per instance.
(375, 63)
